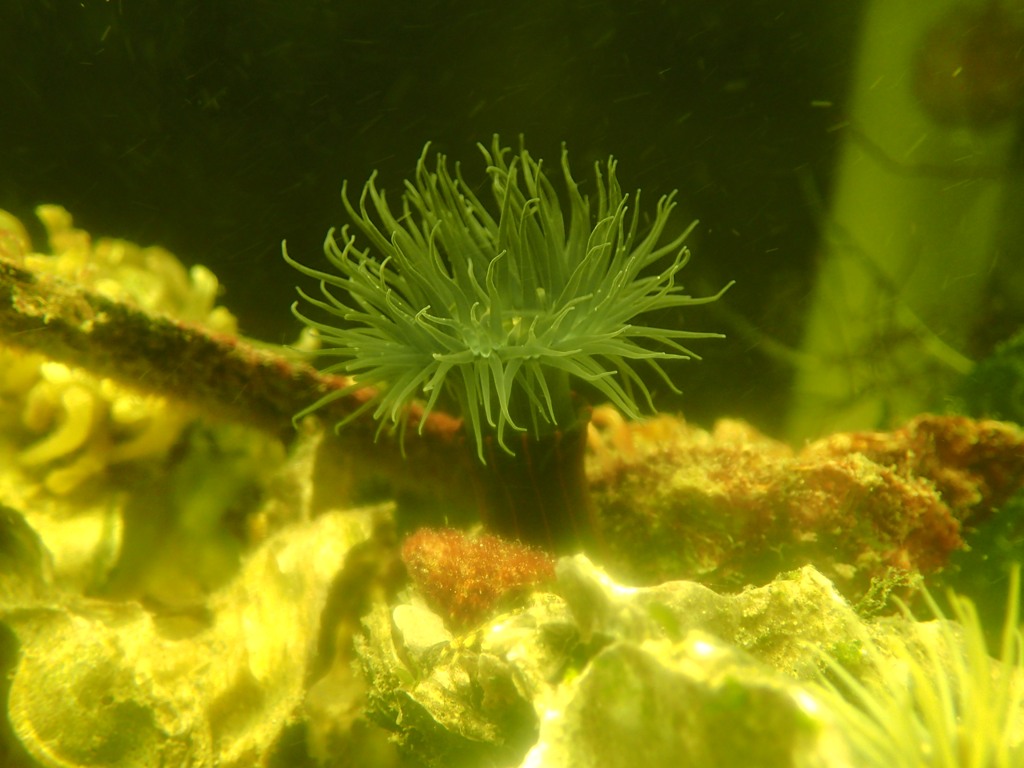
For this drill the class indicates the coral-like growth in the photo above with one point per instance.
(150, 278)
(467, 578)
(67, 422)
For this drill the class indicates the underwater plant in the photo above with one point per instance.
(994, 388)
(938, 699)
(496, 311)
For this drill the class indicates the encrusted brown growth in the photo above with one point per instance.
(734, 507)
(466, 578)
(975, 465)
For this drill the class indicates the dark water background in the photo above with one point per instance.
(219, 128)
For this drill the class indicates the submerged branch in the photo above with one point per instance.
(225, 376)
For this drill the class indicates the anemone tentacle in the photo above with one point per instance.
(498, 309)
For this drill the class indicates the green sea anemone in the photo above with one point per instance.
(497, 309)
